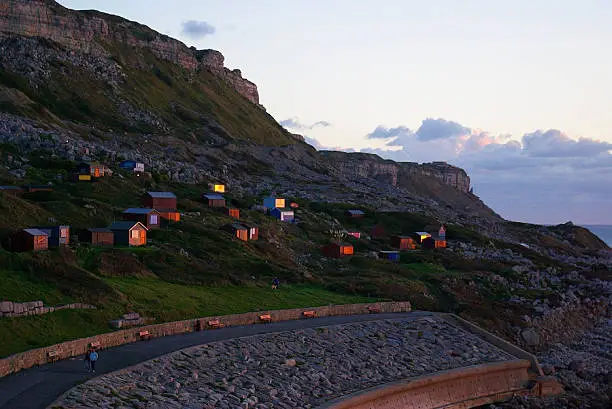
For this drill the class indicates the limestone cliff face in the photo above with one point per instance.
(449, 174)
(92, 31)
(373, 166)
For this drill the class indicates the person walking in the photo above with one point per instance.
(86, 359)
(275, 283)
(93, 358)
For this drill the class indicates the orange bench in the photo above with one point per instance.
(373, 310)
(215, 324)
(53, 355)
(95, 344)
(309, 314)
(265, 318)
(144, 335)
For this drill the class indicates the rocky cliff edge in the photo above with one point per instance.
(93, 31)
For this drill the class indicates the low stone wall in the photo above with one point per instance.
(28, 359)
(460, 388)
(17, 309)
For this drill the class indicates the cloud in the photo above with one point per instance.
(294, 123)
(197, 29)
(440, 128)
(555, 144)
(543, 177)
(387, 133)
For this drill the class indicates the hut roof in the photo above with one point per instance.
(213, 196)
(125, 225)
(162, 195)
(100, 230)
(35, 232)
(138, 210)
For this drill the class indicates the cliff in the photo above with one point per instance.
(396, 173)
(95, 33)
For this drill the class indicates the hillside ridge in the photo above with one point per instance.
(89, 31)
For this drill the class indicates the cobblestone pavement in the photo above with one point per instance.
(292, 369)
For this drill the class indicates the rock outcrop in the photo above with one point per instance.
(387, 171)
(92, 32)
(22, 309)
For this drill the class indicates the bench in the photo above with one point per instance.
(215, 324)
(373, 310)
(95, 344)
(265, 318)
(144, 335)
(309, 314)
(53, 355)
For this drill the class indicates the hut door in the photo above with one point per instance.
(143, 238)
(97, 172)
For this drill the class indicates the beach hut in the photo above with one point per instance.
(232, 212)
(136, 167)
(216, 187)
(421, 235)
(11, 190)
(433, 243)
(389, 255)
(238, 230)
(377, 232)
(159, 200)
(354, 214)
(96, 170)
(214, 199)
(442, 232)
(150, 218)
(274, 202)
(284, 215)
(29, 240)
(170, 215)
(338, 250)
(403, 242)
(253, 231)
(57, 235)
(98, 237)
(129, 233)
(38, 188)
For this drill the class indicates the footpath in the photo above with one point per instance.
(40, 386)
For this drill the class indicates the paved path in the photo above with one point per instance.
(39, 387)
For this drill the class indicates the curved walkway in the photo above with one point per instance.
(39, 387)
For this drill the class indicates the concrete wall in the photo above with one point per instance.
(28, 359)
(454, 389)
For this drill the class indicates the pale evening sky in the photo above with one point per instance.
(508, 74)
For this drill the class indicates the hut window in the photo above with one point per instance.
(135, 234)
(63, 233)
(153, 219)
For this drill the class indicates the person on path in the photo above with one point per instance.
(93, 357)
(86, 359)
(275, 283)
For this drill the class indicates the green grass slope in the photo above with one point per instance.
(151, 96)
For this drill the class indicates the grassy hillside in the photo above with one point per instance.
(135, 92)
(192, 268)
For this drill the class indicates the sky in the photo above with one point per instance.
(516, 92)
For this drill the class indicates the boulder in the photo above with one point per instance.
(6, 306)
(531, 337)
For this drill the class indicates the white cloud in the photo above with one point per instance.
(547, 177)
(197, 29)
(295, 124)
